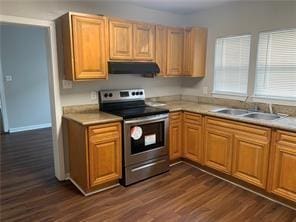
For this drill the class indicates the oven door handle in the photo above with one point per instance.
(147, 119)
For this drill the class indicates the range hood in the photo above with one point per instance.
(133, 68)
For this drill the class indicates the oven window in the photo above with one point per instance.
(147, 137)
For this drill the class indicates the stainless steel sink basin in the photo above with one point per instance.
(264, 116)
(229, 111)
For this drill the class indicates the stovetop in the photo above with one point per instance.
(137, 111)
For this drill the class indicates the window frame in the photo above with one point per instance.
(266, 97)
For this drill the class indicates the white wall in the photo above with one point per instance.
(80, 93)
(236, 19)
(24, 57)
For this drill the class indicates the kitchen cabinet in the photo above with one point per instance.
(175, 51)
(131, 40)
(238, 149)
(121, 39)
(84, 46)
(144, 41)
(94, 155)
(250, 154)
(161, 49)
(282, 175)
(218, 149)
(195, 45)
(192, 137)
(175, 135)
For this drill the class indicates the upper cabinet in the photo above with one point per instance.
(144, 41)
(85, 46)
(87, 42)
(195, 45)
(131, 41)
(175, 51)
(121, 44)
(161, 48)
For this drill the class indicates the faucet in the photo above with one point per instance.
(270, 108)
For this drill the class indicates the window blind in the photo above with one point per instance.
(276, 65)
(232, 65)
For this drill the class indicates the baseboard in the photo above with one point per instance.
(32, 127)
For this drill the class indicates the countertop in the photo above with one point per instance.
(287, 123)
(94, 116)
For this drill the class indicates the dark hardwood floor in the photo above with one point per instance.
(30, 192)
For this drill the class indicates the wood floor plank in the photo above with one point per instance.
(30, 192)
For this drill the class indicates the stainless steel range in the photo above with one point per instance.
(145, 130)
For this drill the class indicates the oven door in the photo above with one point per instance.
(145, 138)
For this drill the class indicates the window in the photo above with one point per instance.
(232, 65)
(276, 65)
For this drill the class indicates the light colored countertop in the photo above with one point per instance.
(92, 118)
(288, 123)
(91, 115)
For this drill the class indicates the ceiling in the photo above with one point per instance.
(179, 6)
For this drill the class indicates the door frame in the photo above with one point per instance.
(3, 102)
(54, 89)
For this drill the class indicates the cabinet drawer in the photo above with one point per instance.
(238, 127)
(286, 137)
(192, 117)
(104, 129)
(176, 116)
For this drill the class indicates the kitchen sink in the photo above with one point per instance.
(249, 114)
(234, 112)
(264, 116)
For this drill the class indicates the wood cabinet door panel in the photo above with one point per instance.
(192, 142)
(282, 177)
(188, 52)
(161, 49)
(175, 135)
(89, 40)
(121, 43)
(250, 159)
(175, 51)
(105, 156)
(143, 41)
(218, 150)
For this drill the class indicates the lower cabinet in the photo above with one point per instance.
(218, 149)
(175, 135)
(282, 175)
(192, 137)
(95, 157)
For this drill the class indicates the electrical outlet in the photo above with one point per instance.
(67, 84)
(205, 90)
(8, 78)
(93, 95)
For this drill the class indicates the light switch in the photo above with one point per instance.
(8, 78)
(93, 95)
(67, 84)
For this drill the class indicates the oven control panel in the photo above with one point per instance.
(121, 95)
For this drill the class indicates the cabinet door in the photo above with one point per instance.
(104, 154)
(175, 136)
(188, 52)
(89, 43)
(282, 179)
(192, 141)
(175, 51)
(218, 149)
(250, 159)
(121, 34)
(161, 49)
(144, 41)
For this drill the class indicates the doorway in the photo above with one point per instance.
(54, 90)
